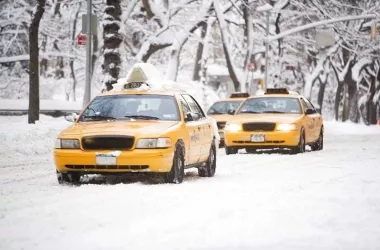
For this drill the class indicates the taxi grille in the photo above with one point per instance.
(108, 142)
(259, 126)
(131, 167)
(221, 125)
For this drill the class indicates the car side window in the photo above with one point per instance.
(194, 106)
(308, 105)
(185, 106)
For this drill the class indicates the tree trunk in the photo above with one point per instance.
(72, 61)
(227, 52)
(112, 39)
(44, 61)
(198, 58)
(95, 48)
(34, 84)
(321, 93)
(353, 111)
(371, 105)
(248, 33)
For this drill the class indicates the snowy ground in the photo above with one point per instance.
(318, 200)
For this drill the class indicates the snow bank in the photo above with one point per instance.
(349, 128)
(18, 139)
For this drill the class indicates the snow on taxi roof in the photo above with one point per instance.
(144, 77)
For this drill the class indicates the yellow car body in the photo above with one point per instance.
(259, 123)
(103, 146)
(224, 113)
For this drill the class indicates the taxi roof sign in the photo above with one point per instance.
(277, 91)
(239, 95)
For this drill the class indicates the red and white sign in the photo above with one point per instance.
(82, 39)
(251, 66)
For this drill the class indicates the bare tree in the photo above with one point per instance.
(34, 76)
(112, 41)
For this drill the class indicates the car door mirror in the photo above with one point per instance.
(309, 111)
(71, 117)
(231, 112)
(189, 117)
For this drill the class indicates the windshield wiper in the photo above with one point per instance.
(275, 112)
(142, 117)
(216, 113)
(99, 117)
(250, 112)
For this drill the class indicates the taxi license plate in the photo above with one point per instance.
(103, 159)
(258, 138)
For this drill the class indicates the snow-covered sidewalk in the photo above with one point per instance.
(318, 200)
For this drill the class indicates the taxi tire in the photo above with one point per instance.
(177, 173)
(319, 144)
(68, 177)
(209, 169)
(231, 150)
(301, 147)
(250, 150)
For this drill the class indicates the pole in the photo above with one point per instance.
(266, 53)
(87, 89)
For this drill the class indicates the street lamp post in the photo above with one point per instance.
(267, 9)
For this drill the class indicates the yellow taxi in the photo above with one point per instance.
(138, 130)
(277, 119)
(222, 111)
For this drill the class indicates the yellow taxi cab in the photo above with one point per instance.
(278, 119)
(222, 111)
(138, 129)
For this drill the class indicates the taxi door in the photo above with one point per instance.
(193, 134)
(205, 127)
(317, 120)
(309, 126)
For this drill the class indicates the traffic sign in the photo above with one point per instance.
(251, 66)
(81, 39)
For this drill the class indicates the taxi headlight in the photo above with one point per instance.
(154, 143)
(233, 127)
(286, 127)
(67, 144)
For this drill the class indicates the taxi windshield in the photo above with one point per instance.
(223, 107)
(131, 107)
(270, 105)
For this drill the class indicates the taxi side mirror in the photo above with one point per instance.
(189, 117)
(309, 111)
(71, 117)
(231, 111)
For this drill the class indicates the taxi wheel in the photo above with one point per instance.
(319, 144)
(177, 172)
(230, 150)
(68, 177)
(250, 150)
(209, 169)
(301, 148)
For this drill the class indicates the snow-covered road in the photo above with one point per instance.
(317, 200)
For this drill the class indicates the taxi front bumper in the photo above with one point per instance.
(137, 160)
(272, 139)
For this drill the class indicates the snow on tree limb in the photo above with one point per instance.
(319, 23)
(310, 78)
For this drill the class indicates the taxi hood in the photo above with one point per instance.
(275, 118)
(132, 128)
(222, 117)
